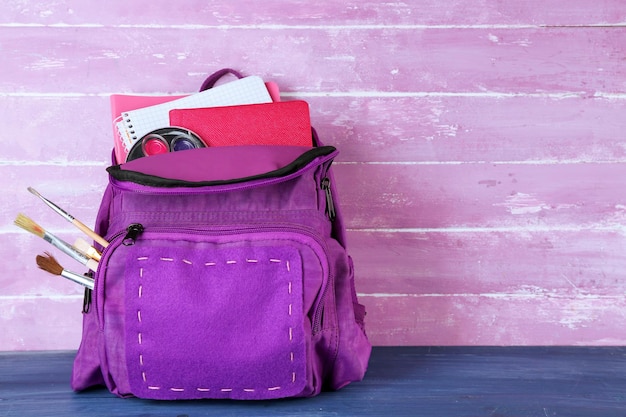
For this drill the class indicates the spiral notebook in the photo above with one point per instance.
(137, 123)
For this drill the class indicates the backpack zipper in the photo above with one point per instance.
(330, 204)
(132, 231)
(191, 187)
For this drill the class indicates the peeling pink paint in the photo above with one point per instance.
(482, 147)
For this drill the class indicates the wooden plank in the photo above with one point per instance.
(515, 288)
(518, 263)
(381, 196)
(486, 61)
(392, 196)
(76, 188)
(494, 319)
(547, 263)
(471, 129)
(541, 263)
(406, 320)
(434, 381)
(431, 289)
(39, 322)
(22, 277)
(364, 129)
(57, 130)
(292, 12)
(375, 196)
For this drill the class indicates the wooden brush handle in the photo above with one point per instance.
(86, 230)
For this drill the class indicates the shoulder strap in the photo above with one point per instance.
(213, 78)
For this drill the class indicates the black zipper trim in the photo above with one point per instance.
(155, 181)
(330, 204)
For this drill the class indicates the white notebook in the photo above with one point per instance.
(137, 123)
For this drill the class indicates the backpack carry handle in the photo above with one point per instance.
(213, 78)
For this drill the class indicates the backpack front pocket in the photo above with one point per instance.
(214, 316)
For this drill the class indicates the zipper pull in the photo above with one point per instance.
(132, 232)
(330, 205)
(87, 300)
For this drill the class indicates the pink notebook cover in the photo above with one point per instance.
(124, 102)
(283, 123)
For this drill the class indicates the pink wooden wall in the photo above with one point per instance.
(483, 150)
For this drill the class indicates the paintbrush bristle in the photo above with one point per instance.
(29, 225)
(49, 264)
(82, 245)
(33, 191)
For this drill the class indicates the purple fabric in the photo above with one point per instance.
(86, 370)
(213, 78)
(210, 322)
(218, 163)
(302, 255)
(190, 331)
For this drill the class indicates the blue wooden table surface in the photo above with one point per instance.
(415, 381)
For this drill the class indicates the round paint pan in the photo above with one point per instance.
(164, 140)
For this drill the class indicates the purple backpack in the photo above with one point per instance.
(226, 276)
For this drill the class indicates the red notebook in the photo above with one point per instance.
(280, 123)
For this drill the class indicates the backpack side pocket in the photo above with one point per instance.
(86, 371)
(354, 348)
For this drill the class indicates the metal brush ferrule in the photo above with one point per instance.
(65, 248)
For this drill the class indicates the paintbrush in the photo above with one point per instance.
(30, 226)
(83, 246)
(49, 264)
(86, 230)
